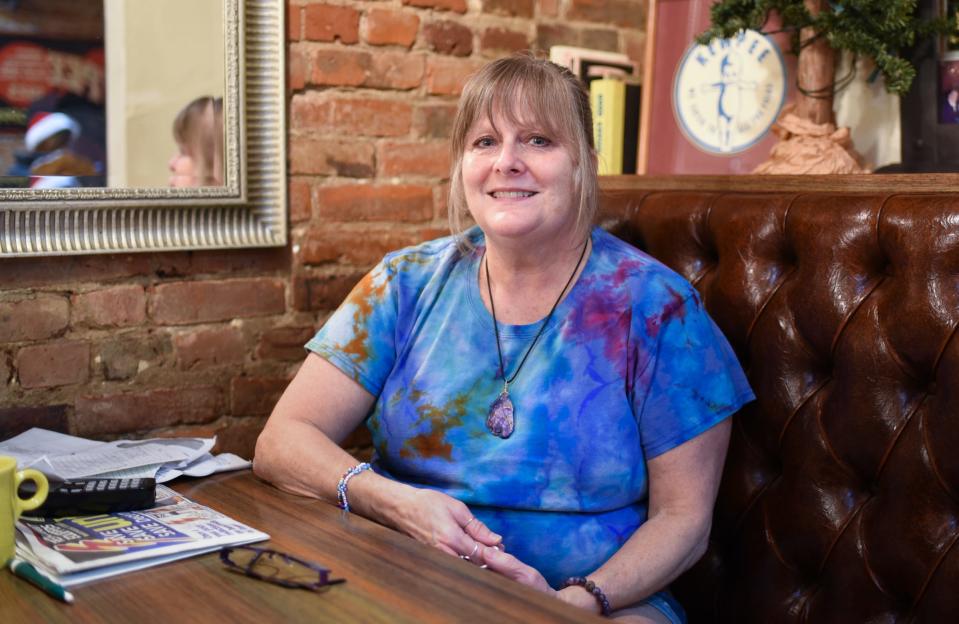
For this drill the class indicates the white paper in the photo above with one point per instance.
(126, 454)
(33, 445)
(69, 457)
(204, 466)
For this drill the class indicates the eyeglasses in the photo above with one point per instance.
(276, 567)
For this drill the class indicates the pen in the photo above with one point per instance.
(26, 571)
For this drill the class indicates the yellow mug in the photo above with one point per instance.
(11, 505)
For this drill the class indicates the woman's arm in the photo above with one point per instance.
(683, 485)
(298, 451)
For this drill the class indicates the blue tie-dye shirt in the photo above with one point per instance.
(629, 367)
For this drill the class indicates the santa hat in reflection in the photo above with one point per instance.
(44, 125)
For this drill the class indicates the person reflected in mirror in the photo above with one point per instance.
(48, 150)
(949, 112)
(198, 132)
(545, 400)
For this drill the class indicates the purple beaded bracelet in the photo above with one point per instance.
(341, 500)
(593, 589)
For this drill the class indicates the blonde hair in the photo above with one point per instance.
(198, 129)
(521, 87)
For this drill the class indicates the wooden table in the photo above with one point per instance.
(390, 577)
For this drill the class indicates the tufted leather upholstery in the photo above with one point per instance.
(840, 497)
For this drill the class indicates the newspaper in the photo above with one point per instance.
(79, 549)
(68, 457)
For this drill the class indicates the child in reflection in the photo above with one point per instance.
(198, 131)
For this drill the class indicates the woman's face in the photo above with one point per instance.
(518, 181)
(182, 170)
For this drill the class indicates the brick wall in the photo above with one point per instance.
(203, 343)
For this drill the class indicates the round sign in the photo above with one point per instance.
(727, 95)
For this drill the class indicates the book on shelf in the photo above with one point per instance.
(607, 98)
(616, 126)
(590, 64)
(79, 549)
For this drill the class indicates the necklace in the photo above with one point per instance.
(499, 421)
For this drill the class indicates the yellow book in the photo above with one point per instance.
(607, 98)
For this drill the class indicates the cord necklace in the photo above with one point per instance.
(500, 420)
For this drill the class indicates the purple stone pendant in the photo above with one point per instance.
(500, 418)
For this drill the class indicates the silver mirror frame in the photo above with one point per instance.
(248, 211)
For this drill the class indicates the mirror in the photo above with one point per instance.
(235, 80)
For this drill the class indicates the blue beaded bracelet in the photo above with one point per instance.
(593, 589)
(341, 500)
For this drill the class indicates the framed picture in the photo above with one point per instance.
(709, 109)
(929, 112)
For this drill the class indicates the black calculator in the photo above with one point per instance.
(84, 497)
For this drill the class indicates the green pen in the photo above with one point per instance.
(26, 571)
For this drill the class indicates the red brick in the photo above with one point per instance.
(294, 23)
(342, 68)
(499, 40)
(387, 27)
(182, 303)
(143, 411)
(448, 37)
(332, 156)
(323, 292)
(209, 347)
(238, 436)
(120, 306)
(605, 39)
(255, 396)
(6, 370)
(325, 22)
(397, 70)
(418, 159)
(16, 420)
(375, 202)
(635, 44)
(51, 365)
(434, 120)
(350, 116)
(38, 318)
(121, 359)
(625, 13)
(284, 343)
(548, 8)
(300, 196)
(446, 76)
(513, 8)
(296, 71)
(459, 6)
(359, 248)
(548, 35)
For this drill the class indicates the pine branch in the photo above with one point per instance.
(879, 29)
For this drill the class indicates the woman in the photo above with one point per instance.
(198, 132)
(544, 399)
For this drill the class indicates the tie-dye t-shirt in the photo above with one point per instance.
(629, 367)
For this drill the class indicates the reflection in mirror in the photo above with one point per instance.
(242, 66)
(91, 90)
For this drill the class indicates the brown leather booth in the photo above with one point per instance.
(840, 497)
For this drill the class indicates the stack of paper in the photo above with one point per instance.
(68, 457)
(79, 549)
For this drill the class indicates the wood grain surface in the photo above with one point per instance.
(390, 577)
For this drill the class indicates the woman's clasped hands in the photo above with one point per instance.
(439, 520)
(443, 522)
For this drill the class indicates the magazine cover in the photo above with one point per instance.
(107, 544)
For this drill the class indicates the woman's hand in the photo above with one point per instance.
(439, 520)
(509, 566)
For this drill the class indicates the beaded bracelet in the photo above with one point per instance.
(341, 501)
(593, 589)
